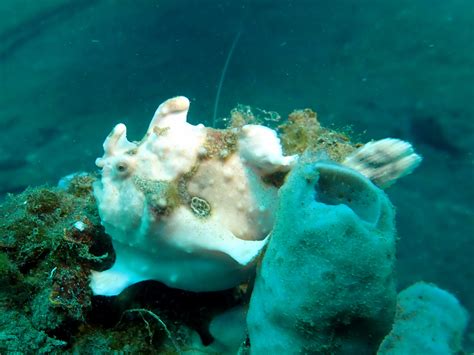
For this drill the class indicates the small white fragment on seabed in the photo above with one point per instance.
(80, 226)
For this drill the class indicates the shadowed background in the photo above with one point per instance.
(70, 70)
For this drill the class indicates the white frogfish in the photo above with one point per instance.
(188, 206)
(193, 207)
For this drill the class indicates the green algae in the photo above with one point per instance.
(45, 260)
(50, 240)
(302, 131)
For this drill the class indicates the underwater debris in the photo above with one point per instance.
(158, 319)
(243, 115)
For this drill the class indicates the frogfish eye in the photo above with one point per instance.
(122, 168)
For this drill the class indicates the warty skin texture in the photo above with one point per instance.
(179, 215)
(193, 207)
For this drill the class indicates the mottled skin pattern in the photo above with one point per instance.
(185, 206)
(192, 206)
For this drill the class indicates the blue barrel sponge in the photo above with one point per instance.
(326, 282)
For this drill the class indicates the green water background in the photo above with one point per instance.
(70, 70)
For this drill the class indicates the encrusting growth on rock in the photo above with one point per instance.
(303, 132)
